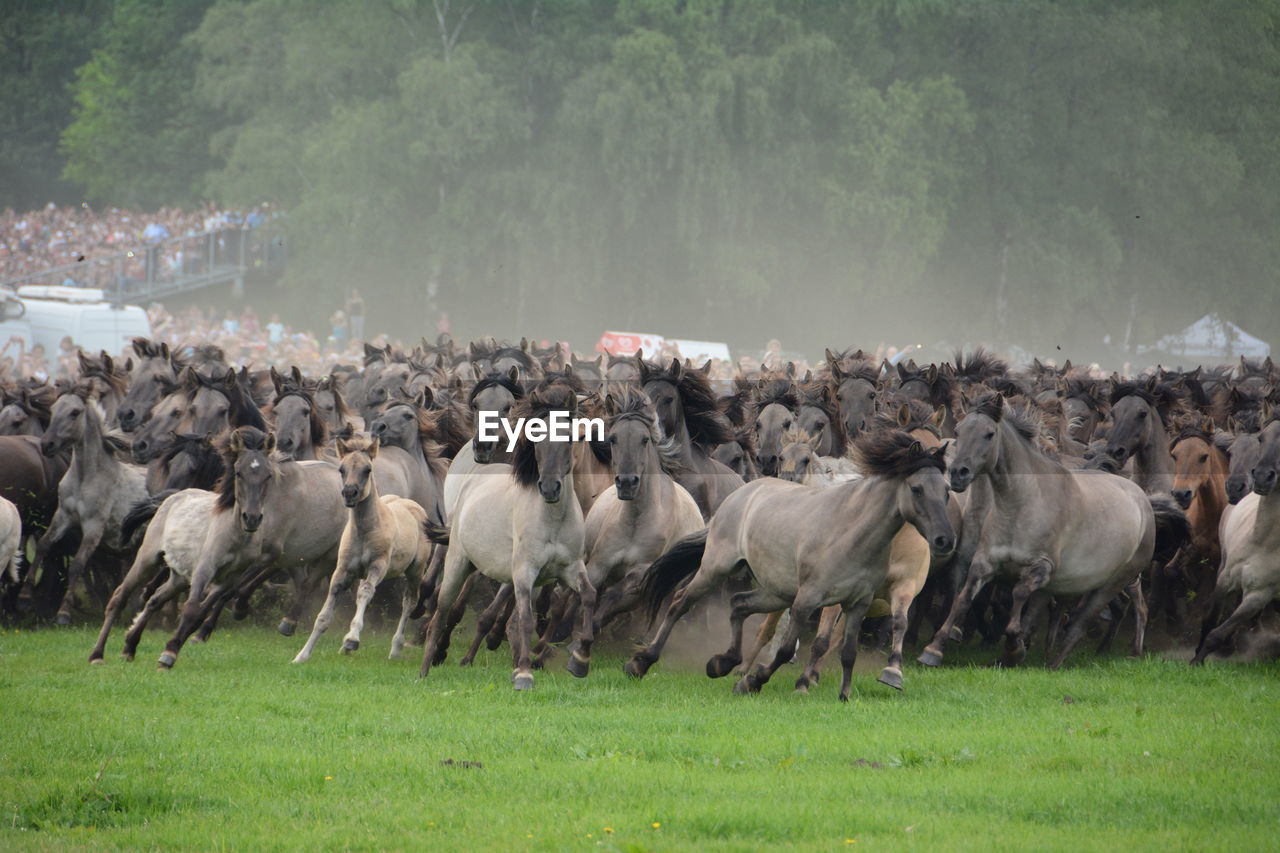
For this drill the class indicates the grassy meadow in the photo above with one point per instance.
(238, 749)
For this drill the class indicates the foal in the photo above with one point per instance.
(384, 538)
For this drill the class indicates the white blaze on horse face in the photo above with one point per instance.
(254, 465)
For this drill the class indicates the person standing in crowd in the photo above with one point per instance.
(355, 315)
(275, 330)
(772, 358)
(338, 329)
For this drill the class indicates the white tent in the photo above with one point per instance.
(1212, 337)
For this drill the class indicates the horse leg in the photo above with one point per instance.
(742, 605)
(203, 592)
(454, 614)
(802, 610)
(498, 633)
(1033, 578)
(364, 594)
(486, 622)
(827, 622)
(579, 663)
(520, 630)
(980, 571)
(456, 571)
(339, 583)
(1140, 615)
(561, 603)
(58, 528)
(1085, 614)
(1250, 606)
(900, 607)
(143, 564)
(427, 585)
(248, 586)
(711, 573)
(408, 596)
(764, 634)
(849, 650)
(162, 596)
(90, 536)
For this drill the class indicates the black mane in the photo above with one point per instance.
(893, 453)
(539, 404)
(707, 427)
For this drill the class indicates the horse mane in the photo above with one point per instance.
(981, 365)
(919, 415)
(566, 376)
(451, 427)
(526, 361)
(1191, 425)
(778, 390)
(818, 395)
(495, 379)
(707, 427)
(632, 404)
(940, 386)
(209, 467)
(105, 371)
(1159, 395)
(249, 438)
(892, 453)
(1026, 420)
(1250, 367)
(147, 348)
(539, 404)
(734, 406)
(1082, 386)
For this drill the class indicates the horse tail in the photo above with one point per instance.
(437, 533)
(140, 514)
(1172, 528)
(665, 573)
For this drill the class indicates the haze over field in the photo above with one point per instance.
(1034, 174)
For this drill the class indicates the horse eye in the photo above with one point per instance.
(990, 436)
(644, 440)
(871, 395)
(916, 490)
(1142, 413)
(613, 439)
(757, 426)
(786, 424)
(407, 416)
(1204, 457)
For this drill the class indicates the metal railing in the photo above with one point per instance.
(177, 265)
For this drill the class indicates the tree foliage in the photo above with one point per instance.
(1034, 172)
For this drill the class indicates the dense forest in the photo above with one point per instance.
(1027, 173)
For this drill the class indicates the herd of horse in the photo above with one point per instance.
(852, 504)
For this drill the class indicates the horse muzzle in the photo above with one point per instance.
(942, 546)
(1237, 488)
(250, 521)
(1183, 497)
(627, 485)
(482, 452)
(1264, 482)
(50, 449)
(551, 492)
(960, 479)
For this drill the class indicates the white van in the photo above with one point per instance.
(93, 323)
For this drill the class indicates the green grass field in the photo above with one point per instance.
(238, 749)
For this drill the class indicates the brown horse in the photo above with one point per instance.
(1200, 488)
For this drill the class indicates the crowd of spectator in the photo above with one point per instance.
(55, 236)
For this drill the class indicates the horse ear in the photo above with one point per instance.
(277, 380)
(941, 450)
(1232, 425)
(903, 373)
(1151, 382)
(939, 417)
(915, 449)
(513, 374)
(371, 448)
(961, 405)
(139, 346)
(342, 443)
(1208, 426)
(904, 415)
(128, 365)
(601, 360)
(998, 402)
(426, 397)
(677, 369)
(164, 350)
(296, 373)
(1066, 365)
(834, 364)
(808, 377)
(642, 367)
(236, 442)
(270, 444)
(524, 344)
(931, 374)
(706, 368)
(1036, 365)
(791, 370)
(1266, 412)
(610, 405)
(473, 352)
(108, 363)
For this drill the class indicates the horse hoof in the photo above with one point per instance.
(637, 667)
(578, 667)
(802, 687)
(957, 634)
(721, 665)
(287, 627)
(844, 696)
(891, 676)
(63, 619)
(196, 638)
(467, 661)
(746, 685)
(349, 646)
(127, 657)
(522, 682)
(97, 661)
(300, 659)
(929, 657)
(167, 660)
